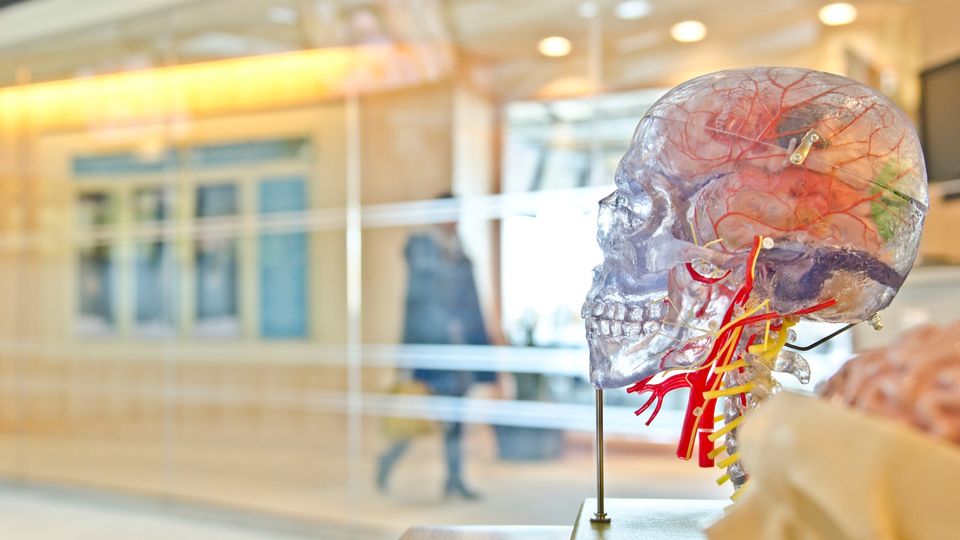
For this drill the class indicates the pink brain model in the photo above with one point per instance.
(915, 381)
(748, 199)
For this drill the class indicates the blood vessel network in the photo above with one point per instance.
(749, 199)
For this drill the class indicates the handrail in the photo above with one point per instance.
(620, 420)
(551, 361)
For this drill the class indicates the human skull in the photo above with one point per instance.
(826, 170)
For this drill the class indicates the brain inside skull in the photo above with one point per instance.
(747, 200)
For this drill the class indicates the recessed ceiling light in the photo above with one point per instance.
(838, 14)
(633, 9)
(554, 46)
(688, 31)
(587, 10)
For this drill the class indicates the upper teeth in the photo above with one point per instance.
(611, 318)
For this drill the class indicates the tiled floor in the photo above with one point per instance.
(241, 487)
(228, 490)
(31, 513)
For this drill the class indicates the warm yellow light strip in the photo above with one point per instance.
(209, 88)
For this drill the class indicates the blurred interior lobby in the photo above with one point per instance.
(206, 209)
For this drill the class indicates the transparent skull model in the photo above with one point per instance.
(747, 200)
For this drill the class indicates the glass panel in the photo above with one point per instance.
(504, 410)
(121, 165)
(217, 285)
(283, 264)
(95, 278)
(95, 209)
(154, 268)
(156, 291)
(96, 272)
(217, 200)
(259, 424)
(232, 154)
(267, 173)
(569, 143)
(153, 204)
(544, 288)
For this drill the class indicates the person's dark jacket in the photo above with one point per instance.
(442, 307)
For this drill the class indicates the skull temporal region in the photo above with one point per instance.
(827, 170)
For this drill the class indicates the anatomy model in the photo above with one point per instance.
(915, 381)
(748, 199)
(897, 410)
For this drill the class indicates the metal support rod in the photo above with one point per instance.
(600, 516)
(820, 341)
(874, 321)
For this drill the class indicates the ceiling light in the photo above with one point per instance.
(688, 31)
(633, 9)
(587, 10)
(837, 14)
(554, 46)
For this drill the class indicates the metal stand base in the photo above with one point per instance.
(600, 517)
(604, 519)
(643, 519)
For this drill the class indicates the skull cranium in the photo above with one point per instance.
(828, 172)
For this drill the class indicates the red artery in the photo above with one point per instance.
(698, 420)
(697, 276)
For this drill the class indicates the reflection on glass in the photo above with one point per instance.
(216, 200)
(95, 268)
(95, 276)
(562, 168)
(283, 263)
(154, 271)
(217, 303)
(152, 204)
(540, 286)
(569, 143)
(155, 288)
(95, 209)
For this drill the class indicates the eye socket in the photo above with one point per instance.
(623, 213)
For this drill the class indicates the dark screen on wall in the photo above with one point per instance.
(940, 120)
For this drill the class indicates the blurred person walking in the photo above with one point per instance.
(442, 307)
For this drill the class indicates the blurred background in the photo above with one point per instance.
(209, 220)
